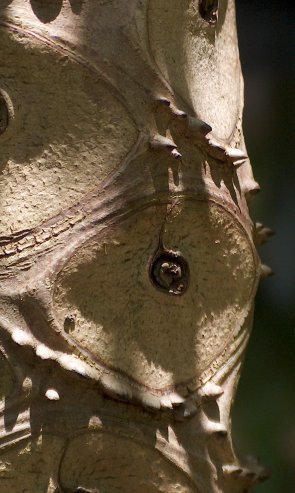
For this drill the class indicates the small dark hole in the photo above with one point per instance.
(169, 272)
(69, 324)
(208, 10)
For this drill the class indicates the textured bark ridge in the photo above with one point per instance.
(128, 260)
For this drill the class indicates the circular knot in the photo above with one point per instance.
(169, 272)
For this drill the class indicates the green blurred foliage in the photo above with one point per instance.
(264, 411)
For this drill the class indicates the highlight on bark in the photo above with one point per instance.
(128, 258)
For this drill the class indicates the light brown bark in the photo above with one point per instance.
(127, 254)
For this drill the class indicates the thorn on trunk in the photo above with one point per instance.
(261, 234)
(265, 271)
(159, 142)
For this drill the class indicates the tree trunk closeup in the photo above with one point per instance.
(128, 261)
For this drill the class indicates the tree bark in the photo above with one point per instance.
(128, 258)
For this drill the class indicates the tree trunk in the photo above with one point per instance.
(128, 261)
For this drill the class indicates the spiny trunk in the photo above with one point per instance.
(127, 255)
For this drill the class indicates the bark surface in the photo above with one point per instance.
(128, 259)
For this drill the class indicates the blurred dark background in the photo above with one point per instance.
(264, 411)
